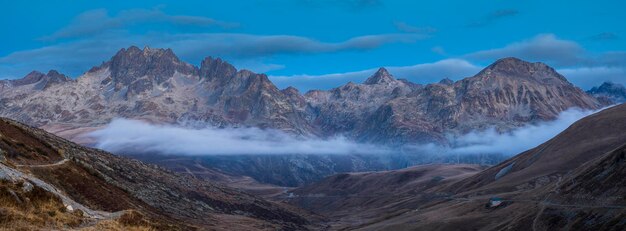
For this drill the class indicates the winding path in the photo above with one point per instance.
(63, 161)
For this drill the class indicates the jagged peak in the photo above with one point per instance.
(609, 84)
(32, 77)
(33, 73)
(157, 63)
(52, 76)
(608, 87)
(446, 81)
(381, 76)
(291, 90)
(216, 68)
(147, 52)
(56, 74)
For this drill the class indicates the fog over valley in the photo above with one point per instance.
(136, 137)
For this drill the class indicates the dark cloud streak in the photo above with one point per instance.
(493, 17)
(99, 21)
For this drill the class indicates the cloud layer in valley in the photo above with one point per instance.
(128, 136)
(490, 141)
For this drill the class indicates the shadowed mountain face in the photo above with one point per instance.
(104, 187)
(154, 85)
(574, 181)
(609, 92)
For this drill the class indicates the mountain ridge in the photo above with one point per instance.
(154, 85)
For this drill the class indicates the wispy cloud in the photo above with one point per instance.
(543, 47)
(491, 142)
(99, 21)
(582, 67)
(75, 57)
(493, 17)
(421, 73)
(588, 77)
(347, 4)
(605, 36)
(404, 27)
(247, 45)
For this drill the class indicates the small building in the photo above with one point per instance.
(495, 202)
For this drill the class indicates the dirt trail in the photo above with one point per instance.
(43, 165)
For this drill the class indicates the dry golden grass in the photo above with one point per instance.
(42, 210)
(115, 225)
(33, 210)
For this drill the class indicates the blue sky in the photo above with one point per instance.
(323, 43)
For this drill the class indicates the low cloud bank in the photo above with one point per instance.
(518, 140)
(123, 135)
(132, 136)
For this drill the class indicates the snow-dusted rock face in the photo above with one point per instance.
(154, 85)
(506, 94)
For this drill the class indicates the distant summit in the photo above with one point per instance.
(216, 68)
(127, 65)
(381, 76)
(517, 68)
(36, 80)
(446, 81)
(613, 92)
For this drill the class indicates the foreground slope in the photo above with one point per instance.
(354, 199)
(104, 186)
(573, 181)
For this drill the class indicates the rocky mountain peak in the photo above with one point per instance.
(215, 67)
(55, 75)
(51, 77)
(381, 76)
(608, 87)
(512, 67)
(290, 91)
(613, 92)
(446, 81)
(30, 78)
(130, 64)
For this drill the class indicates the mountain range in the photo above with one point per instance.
(155, 85)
